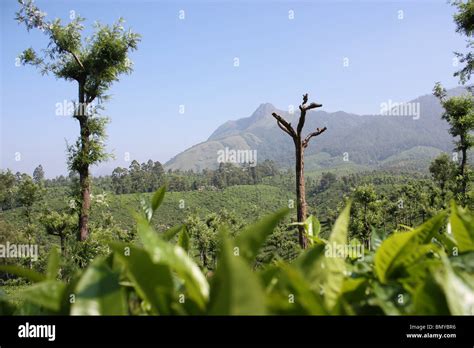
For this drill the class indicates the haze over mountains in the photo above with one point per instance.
(406, 141)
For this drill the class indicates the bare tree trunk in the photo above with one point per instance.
(85, 185)
(463, 172)
(84, 178)
(300, 145)
(300, 193)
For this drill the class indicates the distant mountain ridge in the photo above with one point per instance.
(369, 140)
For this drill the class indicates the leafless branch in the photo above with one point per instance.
(313, 106)
(303, 108)
(283, 128)
(284, 125)
(314, 134)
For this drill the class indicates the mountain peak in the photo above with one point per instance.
(264, 109)
(262, 113)
(265, 106)
(369, 140)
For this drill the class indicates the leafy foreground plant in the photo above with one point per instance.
(425, 270)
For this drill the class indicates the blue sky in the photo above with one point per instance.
(190, 62)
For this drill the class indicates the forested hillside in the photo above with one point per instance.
(367, 140)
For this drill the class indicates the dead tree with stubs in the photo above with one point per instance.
(301, 143)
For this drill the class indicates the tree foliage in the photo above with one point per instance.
(94, 62)
(464, 20)
(459, 113)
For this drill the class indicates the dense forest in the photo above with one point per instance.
(240, 238)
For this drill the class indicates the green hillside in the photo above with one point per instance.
(248, 202)
(417, 158)
(369, 140)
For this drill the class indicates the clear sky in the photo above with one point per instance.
(190, 62)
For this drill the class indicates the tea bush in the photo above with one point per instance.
(427, 270)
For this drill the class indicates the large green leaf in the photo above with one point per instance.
(153, 282)
(251, 239)
(184, 240)
(334, 265)
(98, 292)
(236, 289)
(462, 227)
(69, 294)
(385, 298)
(352, 295)
(458, 288)
(147, 210)
(177, 259)
(447, 241)
(309, 263)
(429, 299)
(322, 266)
(312, 228)
(171, 232)
(53, 264)
(402, 248)
(292, 294)
(157, 198)
(47, 294)
(405, 267)
(420, 268)
(23, 272)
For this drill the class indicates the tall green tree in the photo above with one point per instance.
(7, 190)
(58, 224)
(365, 212)
(443, 171)
(28, 194)
(464, 20)
(459, 113)
(94, 63)
(327, 179)
(38, 174)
